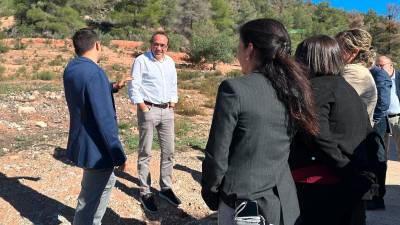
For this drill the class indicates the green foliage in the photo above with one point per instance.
(6, 8)
(19, 45)
(234, 73)
(185, 137)
(188, 75)
(3, 48)
(44, 75)
(176, 42)
(222, 15)
(2, 71)
(211, 46)
(58, 61)
(188, 108)
(136, 20)
(21, 72)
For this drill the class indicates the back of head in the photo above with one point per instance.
(268, 36)
(84, 40)
(321, 54)
(272, 47)
(357, 40)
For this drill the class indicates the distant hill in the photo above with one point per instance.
(184, 19)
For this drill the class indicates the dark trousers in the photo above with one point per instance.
(329, 204)
(381, 128)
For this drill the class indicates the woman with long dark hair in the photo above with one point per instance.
(254, 120)
(323, 164)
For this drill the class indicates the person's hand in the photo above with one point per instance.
(120, 84)
(172, 105)
(122, 167)
(143, 107)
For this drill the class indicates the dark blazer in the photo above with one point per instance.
(93, 135)
(247, 150)
(344, 125)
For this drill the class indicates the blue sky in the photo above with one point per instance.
(360, 5)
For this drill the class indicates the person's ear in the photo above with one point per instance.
(249, 51)
(98, 46)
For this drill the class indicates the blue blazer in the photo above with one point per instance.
(93, 141)
(383, 85)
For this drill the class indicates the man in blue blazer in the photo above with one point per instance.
(381, 127)
(93, 142)
(393, 113)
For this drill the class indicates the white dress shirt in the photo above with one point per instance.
(153, 80)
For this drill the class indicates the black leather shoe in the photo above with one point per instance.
(170, 197)
(148, 203)
(376, 204)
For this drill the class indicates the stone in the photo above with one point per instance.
(41, 124)
(26, 109)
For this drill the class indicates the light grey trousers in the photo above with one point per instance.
(163, 121)
(94, 196)
(395, 125)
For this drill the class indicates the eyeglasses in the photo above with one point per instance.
(382, 65)
(159, 45)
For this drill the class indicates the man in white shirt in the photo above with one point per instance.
(154, 91)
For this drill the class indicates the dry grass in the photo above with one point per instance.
(188, 108)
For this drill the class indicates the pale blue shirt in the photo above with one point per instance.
(394, 107)
(153, 81)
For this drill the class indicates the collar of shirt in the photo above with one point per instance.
(153, 58)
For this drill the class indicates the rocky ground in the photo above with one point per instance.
(39, 185)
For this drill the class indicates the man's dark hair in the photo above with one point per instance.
(321, 54)
(159, 33)
(83, 40)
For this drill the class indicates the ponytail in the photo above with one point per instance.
(293, 89)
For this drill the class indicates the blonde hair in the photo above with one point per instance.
(358, 39)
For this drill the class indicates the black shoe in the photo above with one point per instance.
(170, 197)
(148, 203)
(376, 204)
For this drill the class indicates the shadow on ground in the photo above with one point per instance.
(389, 216)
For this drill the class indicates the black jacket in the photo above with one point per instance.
(343, 121)
(247, 151)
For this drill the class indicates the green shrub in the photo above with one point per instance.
(105, 39)
(58, 61)
(124, 125)
(209, 86)
(118, 68)
(131, 142)
(21, 72)
(19, 45)
(176, 42)
(3, 48)
(187, 108)
(209, 45)
(188, 75)
(44, 75)
(234, 73)
(2, 70)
